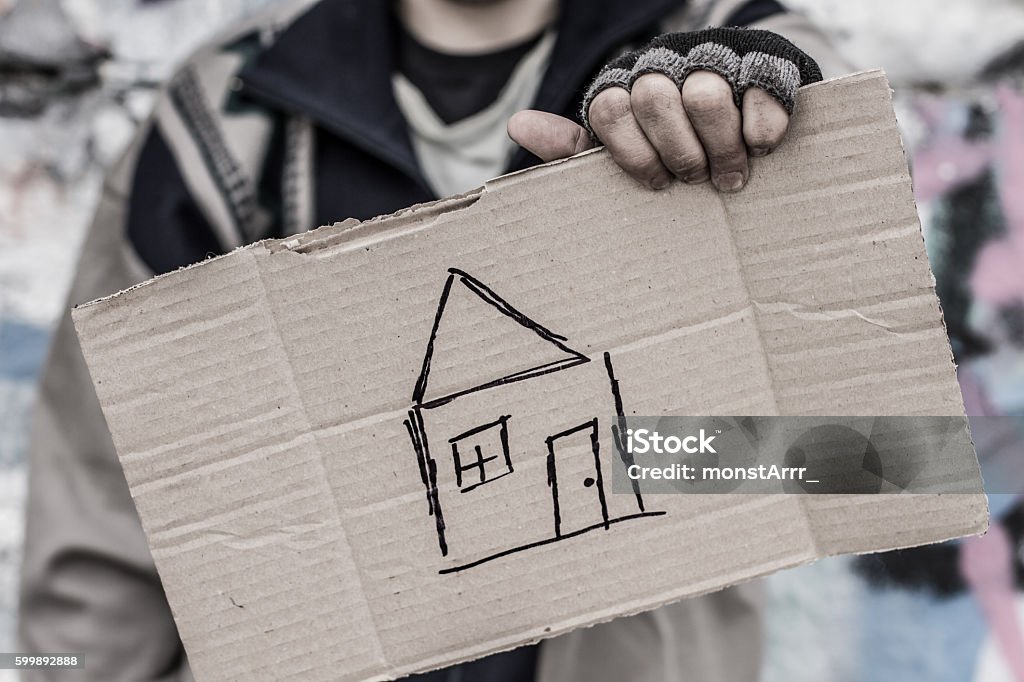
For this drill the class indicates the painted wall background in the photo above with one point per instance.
(958, 69)
(950, 612)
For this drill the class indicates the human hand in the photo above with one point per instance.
(690, 106)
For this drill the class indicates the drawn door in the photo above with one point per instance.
(574, 475)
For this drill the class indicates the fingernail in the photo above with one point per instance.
(760, 151)
(729, 182)
(696, 179)
(660, 182)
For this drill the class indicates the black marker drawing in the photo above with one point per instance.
(471, 461)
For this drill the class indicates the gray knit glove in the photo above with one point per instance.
(746, 58)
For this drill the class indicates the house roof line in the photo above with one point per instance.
(556, 366)
(486, 293)
(421, 381)
(481, 290)
(505, 308)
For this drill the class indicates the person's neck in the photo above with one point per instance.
(475, 26)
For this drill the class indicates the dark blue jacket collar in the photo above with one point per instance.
(334, 65)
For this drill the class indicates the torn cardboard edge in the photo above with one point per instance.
(339, 232)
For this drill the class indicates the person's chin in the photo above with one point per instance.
(478, 3)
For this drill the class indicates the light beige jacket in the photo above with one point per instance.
(89, 583)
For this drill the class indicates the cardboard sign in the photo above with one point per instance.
(382, 447)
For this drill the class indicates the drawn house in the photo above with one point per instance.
(490, 444)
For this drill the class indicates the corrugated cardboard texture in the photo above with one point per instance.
(378, 448)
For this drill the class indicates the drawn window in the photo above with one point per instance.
(481, 454)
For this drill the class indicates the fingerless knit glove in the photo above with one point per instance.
(746, 58)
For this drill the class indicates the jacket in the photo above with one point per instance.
(286, 122)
